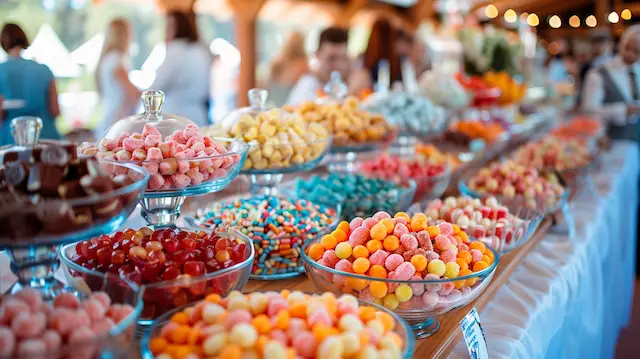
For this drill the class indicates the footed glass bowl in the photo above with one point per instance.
(401, 328)
(427, 301)
(110, 343)
(538, 204)
(277, 250)
(54, 222)
(162, 296)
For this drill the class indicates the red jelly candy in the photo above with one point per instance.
(194, 268)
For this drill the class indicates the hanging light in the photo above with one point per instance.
(510, 16)
(555, 21)
(533, 20)
(613, 17)
(625, 14)
(591, 21)
(491, 11)
(574, 21)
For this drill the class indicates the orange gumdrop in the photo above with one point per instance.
(373, 245)
(388, 223)
(328, 241)
(462, 263)
(377, 271)
(157, 345)
(316, 251)
(340, 235)
(344, 226)
(463, 236)
(180, 318)
(480, 265)
(466, 256)
(366, 313)
(418, 222)
(360, 251)
(391, 243)
(403, 215)
(479, 246)
(378, 231)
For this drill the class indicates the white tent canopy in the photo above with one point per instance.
(88, 53)
(47, 49)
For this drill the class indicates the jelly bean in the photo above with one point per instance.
(359, 236)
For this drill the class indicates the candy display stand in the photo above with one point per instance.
(279, 142)
(219, 159)
(33, 255)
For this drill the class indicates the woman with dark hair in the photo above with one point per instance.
(184, 74)
(31, 84)
(388, 44)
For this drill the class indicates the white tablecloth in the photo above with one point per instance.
(573, 293)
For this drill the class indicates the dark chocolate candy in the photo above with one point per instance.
(71, 189)
(15, 175)
(54, 155)
(107, 208)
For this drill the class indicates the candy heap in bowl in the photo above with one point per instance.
(279, 326)
(431, 179)
(278, 227)
(487, 220)
(550, 153)
(73, 324)
(278, 140)
(514, 183)
(407, 264)
(350, 125)
(412, 114)
(176, 266)
(182, 159)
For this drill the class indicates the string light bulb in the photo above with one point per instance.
(533, 20)
(555, 21)
(510, 16)
(625, 14)
(591, 21)
(613, 17)
(574, 21)
(491, 11)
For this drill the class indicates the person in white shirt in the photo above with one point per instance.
(184, 74)
(612, 91)
(331, 56)
(118, 95)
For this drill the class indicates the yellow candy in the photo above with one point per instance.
(243, 334)
(350, 323)
(452, 270)
(330, 348)
(403, 293)
(214, 343)
(350, 343)
(390, 301)
(436, 267)
(343, 250)
(274, 350)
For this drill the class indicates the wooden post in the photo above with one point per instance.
(246, 13)
(602, 11)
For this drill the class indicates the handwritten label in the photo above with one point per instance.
(474, 335)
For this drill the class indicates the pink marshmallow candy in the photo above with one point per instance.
(393, 261)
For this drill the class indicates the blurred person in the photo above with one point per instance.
(385, 43)
(601, 52)
(331, 56)
(184, 76)
(119, 96)
(287, 68)
(612, 90)
(26, 80)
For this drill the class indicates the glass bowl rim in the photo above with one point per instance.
(483, 273)
(247, 262)
(407, 351)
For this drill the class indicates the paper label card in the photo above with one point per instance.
(474, 335)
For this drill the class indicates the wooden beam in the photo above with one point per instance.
(552, 7)
(420, 11)
(343, 17)
(246, 13)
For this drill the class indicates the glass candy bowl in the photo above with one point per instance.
(108, 332)
(504, 227)
(181, 160)
(184, 269)
(400, 327)
(279, 142)
(425, 301)
(49, 197)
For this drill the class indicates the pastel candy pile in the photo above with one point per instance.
(394, 168)
(432, 154)
(401, 248)
(346, 121)
(182, 159)
(359, 195)
(276, 139)
(551, 153)
(412, 114)
(33, 328)
(283, 325)
(511, 179)
(485, 219)
(278, 227)
(162, 257)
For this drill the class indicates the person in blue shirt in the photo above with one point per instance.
(31, 83)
